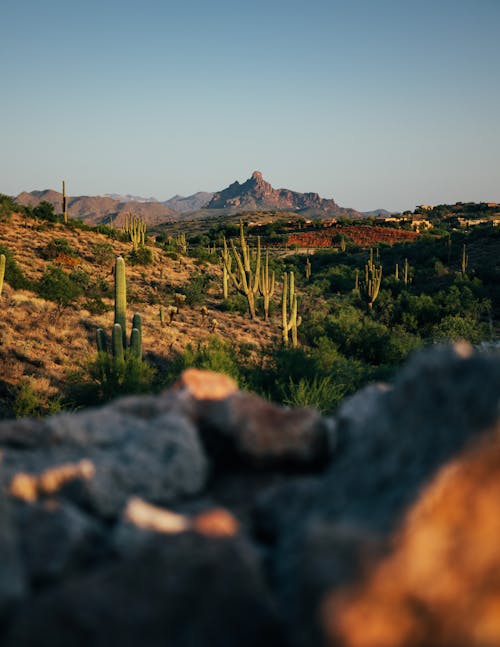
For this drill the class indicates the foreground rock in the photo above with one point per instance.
(209, 516)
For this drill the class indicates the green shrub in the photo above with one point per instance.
(103, 253)
(56, 285)
(45, 211)
(27, 402)
(214, 355)
(195, 290)
(7, 206)
(140, 256)
(14, 275)
(58, 247)
(322, 393)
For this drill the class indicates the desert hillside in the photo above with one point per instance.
(43, 340)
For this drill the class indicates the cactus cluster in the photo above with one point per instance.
(181, 242)
(119, 348)
(247, 278)
(135, 227)
(290, 321)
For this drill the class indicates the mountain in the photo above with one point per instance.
(129, 198)
(100, 209)
(257, 194)
(193, 202)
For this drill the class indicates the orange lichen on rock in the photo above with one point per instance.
(216, 523)
(29, 487)
(441, 584)
(206, 385)
(151, 517)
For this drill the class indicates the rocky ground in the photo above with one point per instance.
(207, 516)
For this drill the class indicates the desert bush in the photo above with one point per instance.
(58, 247)
(56, 285)
(45, 211)
(195, 290)
(14, 275)
(103, 253)
(7, 206)
(214, 355)
(27, 402)
(141, 256)
(322, 393)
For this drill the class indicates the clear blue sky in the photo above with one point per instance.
(376, 103)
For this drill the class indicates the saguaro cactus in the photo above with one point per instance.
(2, 271)
(290, 321)
(406, 272)
(266, 285)
(135, 227)
(308, 268)
(121, 297)
(465, 260)
(64, 203)
(227, 261)
(370, 287)
(246, 281)
(116, 364)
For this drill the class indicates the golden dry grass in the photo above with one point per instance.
(41, 341)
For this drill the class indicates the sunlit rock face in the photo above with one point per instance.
(207, 515)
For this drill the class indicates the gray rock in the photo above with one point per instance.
(443, 399)
(185, 590)
(159, 458)
(12, 577)
(57, 539)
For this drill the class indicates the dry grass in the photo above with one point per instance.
(43, 342)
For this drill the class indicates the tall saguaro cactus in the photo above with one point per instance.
(227, 261)
(64, 203)
(290, 321)
(247, 278)
(119, 351)
(135, 227)
(406, 272)
(266, 285)
(370, 287)
(121, 297)
(2, 271)
(465, 260)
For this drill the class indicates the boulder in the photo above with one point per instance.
(182, 590)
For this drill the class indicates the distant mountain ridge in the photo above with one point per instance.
(100, 209)
(193, 202)
(129, 197)
(257, 194)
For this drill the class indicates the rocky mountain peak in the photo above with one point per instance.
(257, 194)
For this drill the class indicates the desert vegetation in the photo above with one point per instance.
(269, 303)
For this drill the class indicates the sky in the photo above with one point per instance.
(375, 103)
